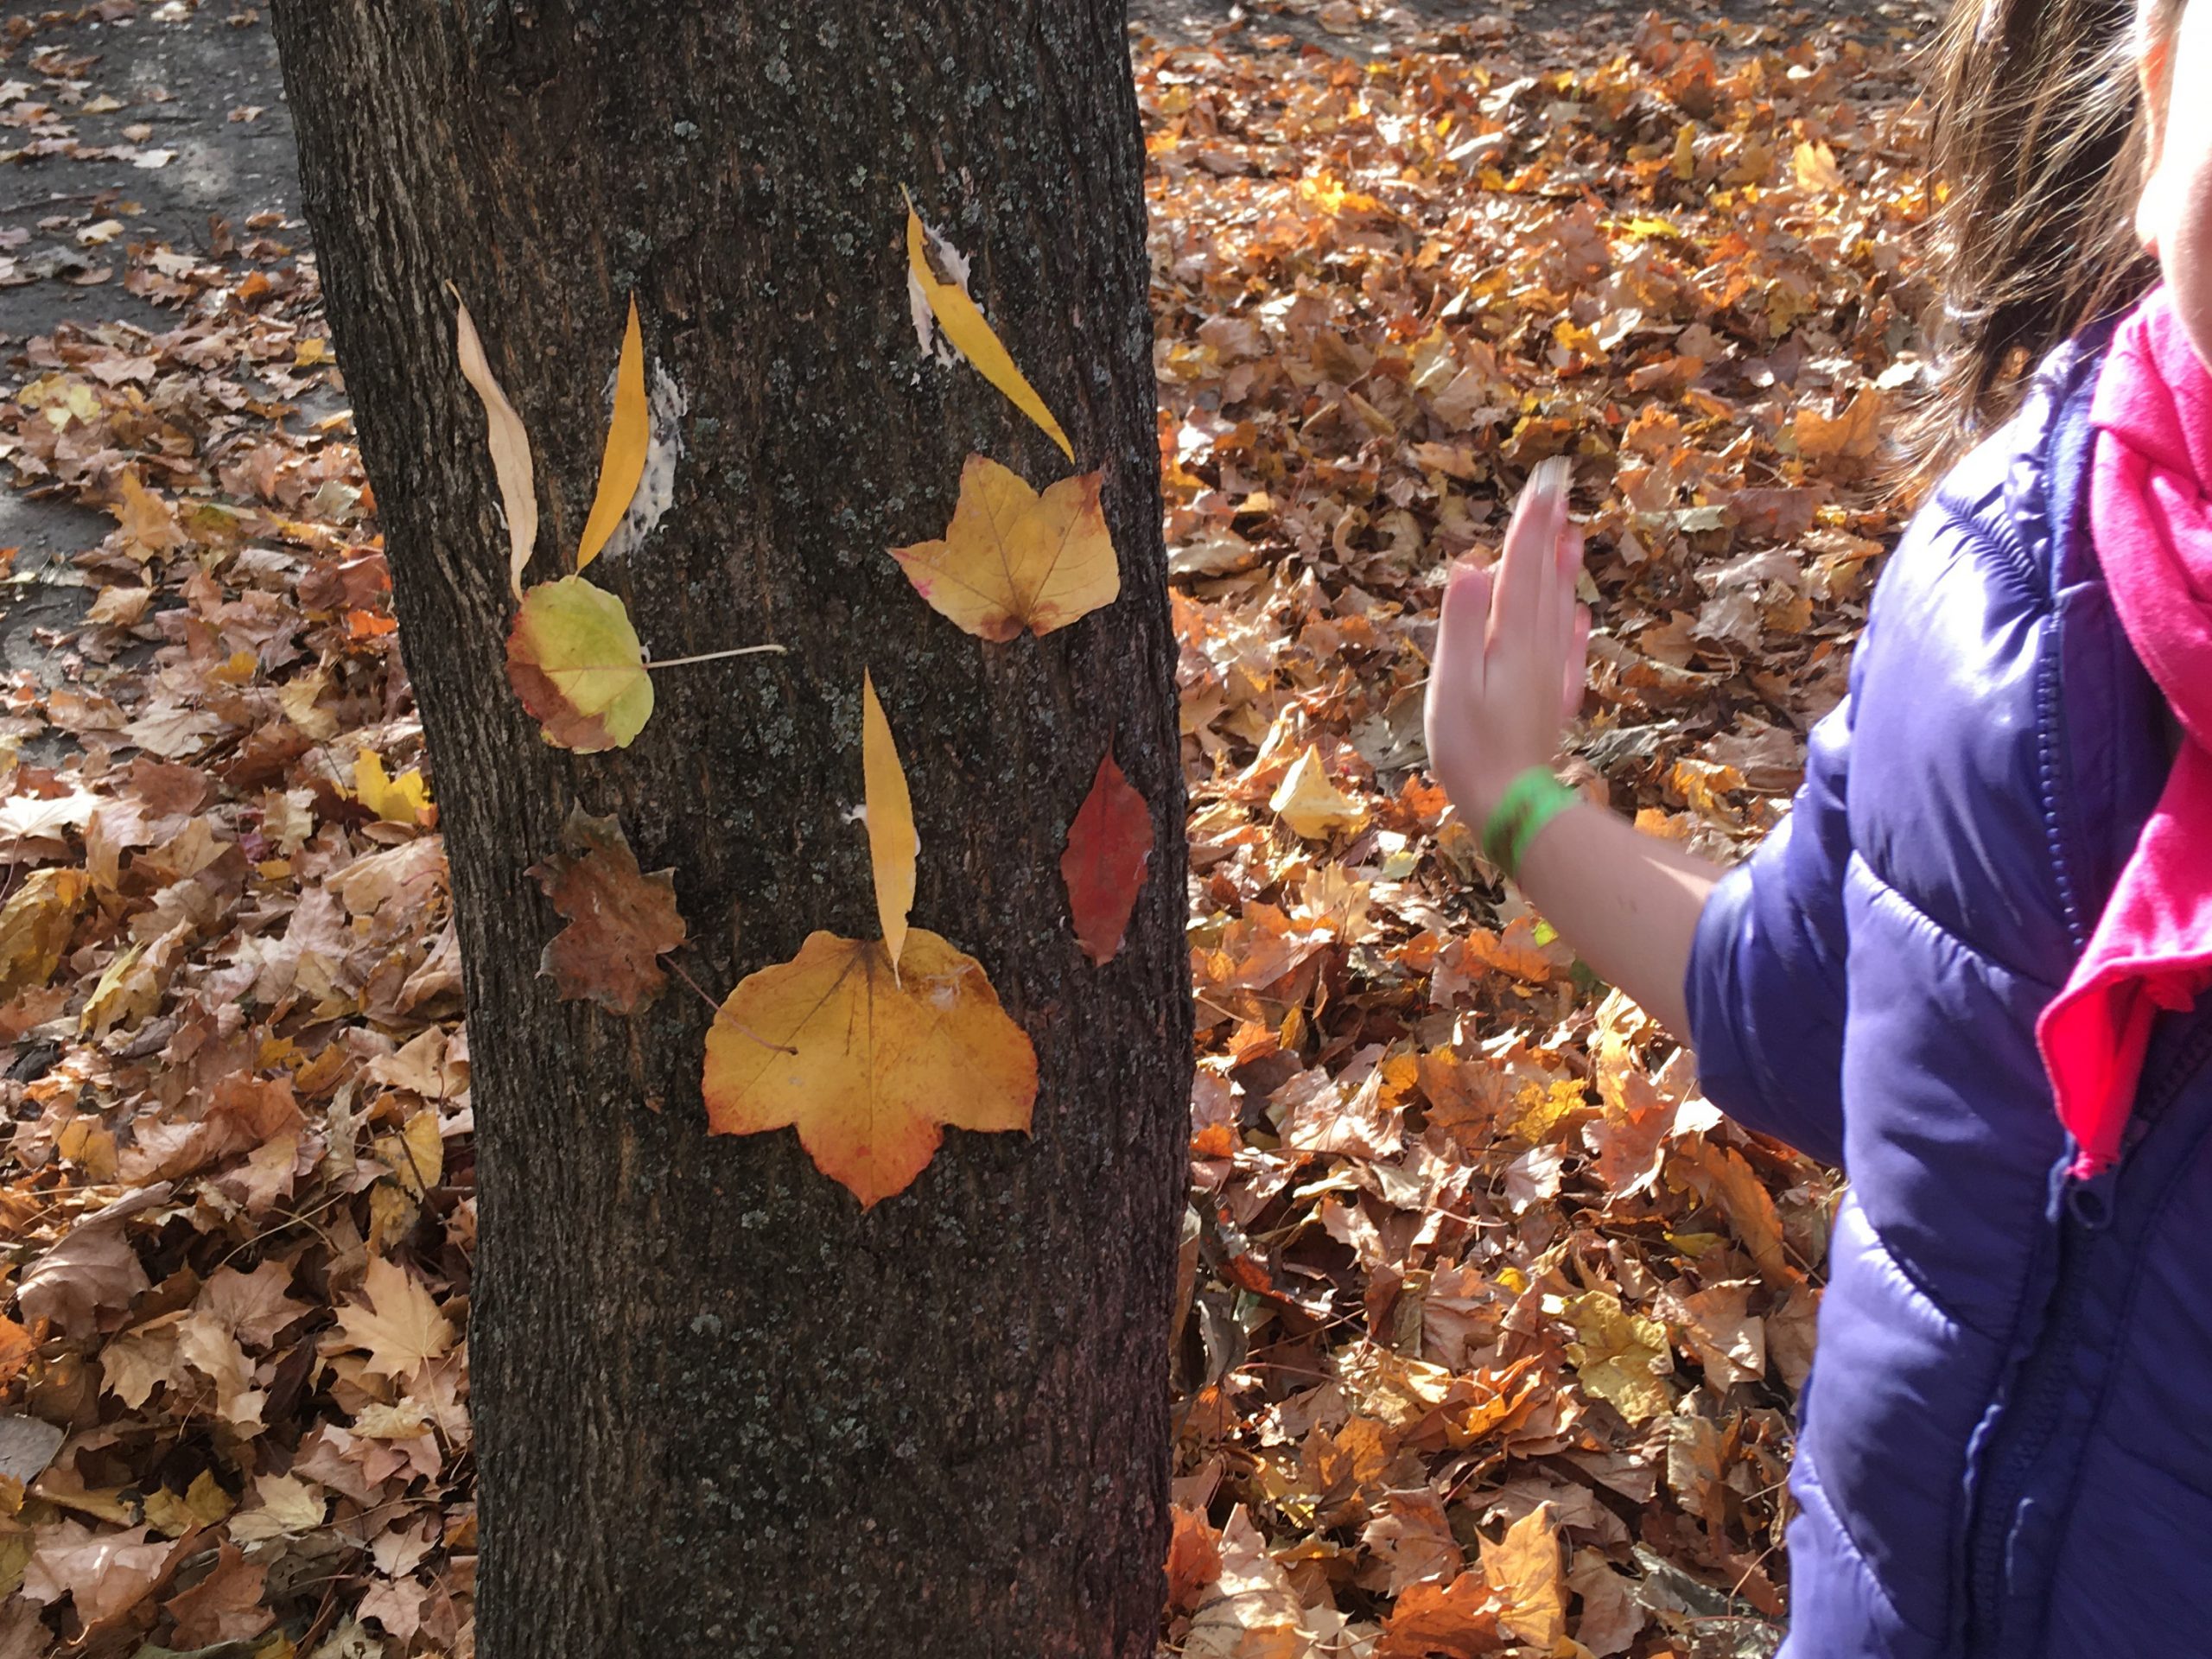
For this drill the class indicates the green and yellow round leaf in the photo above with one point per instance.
(575, 661)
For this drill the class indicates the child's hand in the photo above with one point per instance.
(1510, 653)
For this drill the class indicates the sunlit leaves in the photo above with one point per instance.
(1310, 803)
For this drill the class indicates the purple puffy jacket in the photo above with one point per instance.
(2005, 1445)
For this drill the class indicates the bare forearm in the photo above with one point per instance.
(1626, 901)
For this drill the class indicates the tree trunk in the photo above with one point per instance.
(720, 1408)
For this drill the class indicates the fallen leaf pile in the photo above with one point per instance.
(1493, 1326)
(238, 1189)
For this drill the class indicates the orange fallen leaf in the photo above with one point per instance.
(1453, 1621)
(1193, 1557)
(621, 921)
(574, 659)
(869, 1064)
(892, 842)
(622, 463)
(1012, 558)
(1854, 435)
(370, 624)
(947, 298)
(148, 522)
(15, 1347)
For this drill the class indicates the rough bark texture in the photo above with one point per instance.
(720, 1409)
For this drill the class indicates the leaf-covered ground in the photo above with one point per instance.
(1493, 1325)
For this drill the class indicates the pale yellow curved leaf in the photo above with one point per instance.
(508, 441)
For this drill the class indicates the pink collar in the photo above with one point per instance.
(2150, 516)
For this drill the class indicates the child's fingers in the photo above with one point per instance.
(1530, 540)
(1559, 594)
(1457, 673)
(1578, 663)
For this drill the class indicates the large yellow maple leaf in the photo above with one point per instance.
(869, 1064)
(1012, 558)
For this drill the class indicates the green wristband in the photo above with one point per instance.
(1531, 801)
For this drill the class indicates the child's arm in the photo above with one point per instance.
(1512, 640)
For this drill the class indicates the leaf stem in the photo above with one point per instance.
(677, 968)
(713, 656)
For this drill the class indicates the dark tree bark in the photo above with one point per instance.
(720, 1409)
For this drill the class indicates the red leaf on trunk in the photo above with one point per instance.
(1109, 845)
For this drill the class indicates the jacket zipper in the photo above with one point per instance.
(2086, 1210)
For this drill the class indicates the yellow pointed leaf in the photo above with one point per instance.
(1014, 559)
(1523, 1569)
(623, 463)
(865, 1063)
(575, 661)
(891, 840)
(1310, 803)
(402, 799)
(964, 326)
(510, 444)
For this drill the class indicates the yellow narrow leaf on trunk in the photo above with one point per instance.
(867, 1066)
(624, 462)
(1012, 558)
(508, 442)
(892, 840)
(964, 326)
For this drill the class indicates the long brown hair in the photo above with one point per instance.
(2040, 143)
